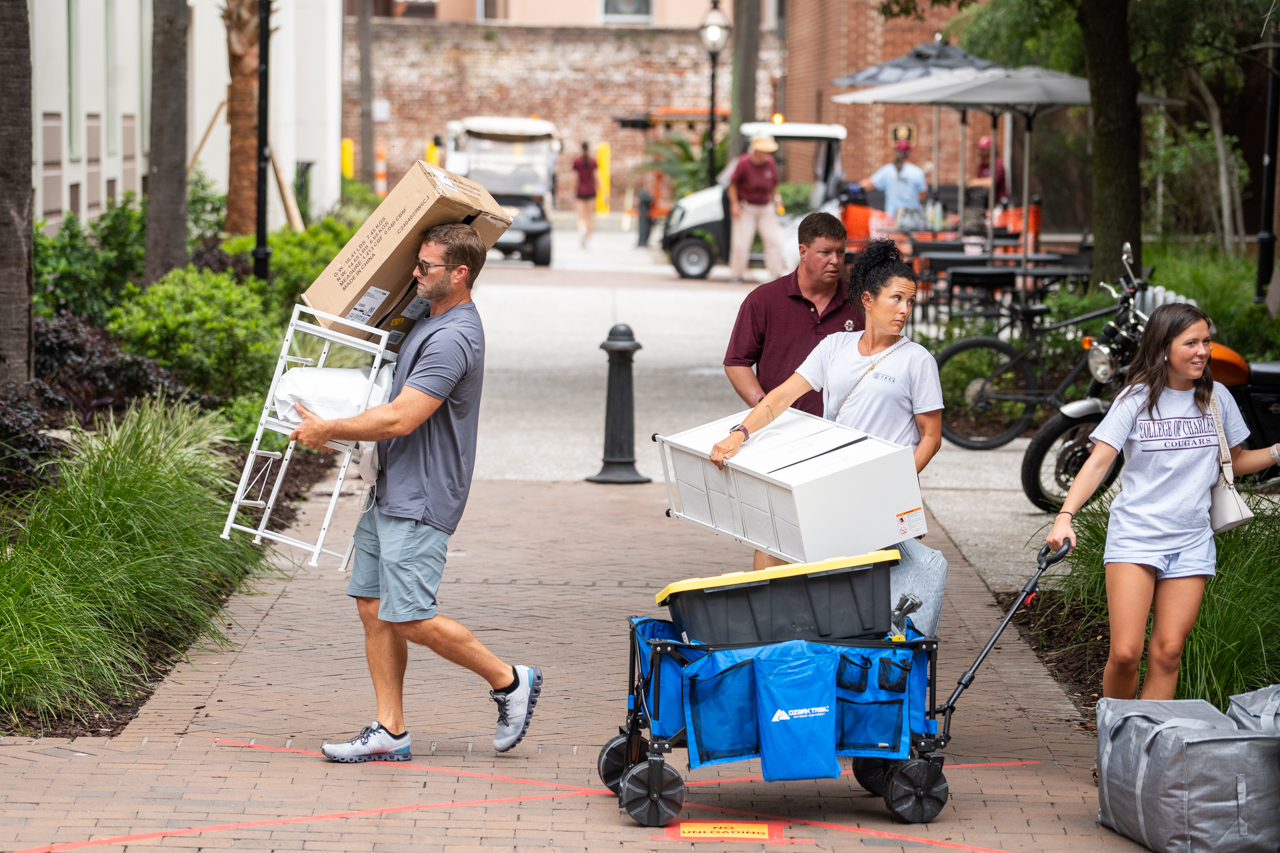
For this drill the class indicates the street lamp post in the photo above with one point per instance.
(714, 33)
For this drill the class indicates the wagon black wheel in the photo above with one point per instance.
(648, 804)
(916, 791)
(613, 763)
(871, 773)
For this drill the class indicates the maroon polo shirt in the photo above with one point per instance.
(777, 328)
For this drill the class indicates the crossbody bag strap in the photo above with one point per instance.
(1224, 452)
(870, 369)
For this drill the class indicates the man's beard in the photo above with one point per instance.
(434, 291)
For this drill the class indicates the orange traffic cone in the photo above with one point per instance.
(380, 172)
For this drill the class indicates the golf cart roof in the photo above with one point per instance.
(507, 126)
(793, 130)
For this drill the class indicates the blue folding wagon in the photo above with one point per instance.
(797, 666)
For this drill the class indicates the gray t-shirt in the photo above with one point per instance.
(426, 474)
(1170, 463)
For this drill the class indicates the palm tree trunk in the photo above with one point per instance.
(16, 197)
(167, 162)
(241, 19)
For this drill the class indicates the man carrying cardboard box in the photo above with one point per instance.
(427, 443)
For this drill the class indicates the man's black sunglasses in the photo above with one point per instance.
(426, 268)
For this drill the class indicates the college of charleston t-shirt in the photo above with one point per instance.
(1170, 463)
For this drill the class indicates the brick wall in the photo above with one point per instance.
(580, 79)
(827, 39)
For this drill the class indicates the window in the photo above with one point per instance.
(111, 190)
(129, 153)
(51, 164)
(73, 198)
(628, 11)
(93, 162)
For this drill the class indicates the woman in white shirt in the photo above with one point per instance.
(878, 382)
(1160, 548)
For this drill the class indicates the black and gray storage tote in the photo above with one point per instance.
(1258, 711)
(1180, 777)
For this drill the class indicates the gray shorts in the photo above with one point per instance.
(399, 561)
(1199, 559)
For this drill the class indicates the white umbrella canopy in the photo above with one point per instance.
(1029, 91)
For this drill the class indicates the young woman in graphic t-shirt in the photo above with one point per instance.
(1160, 548)
(878, 382)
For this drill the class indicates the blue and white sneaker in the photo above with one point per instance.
(516, 708)
(374, 743)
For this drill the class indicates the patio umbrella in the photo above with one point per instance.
(1028, 91)
(924, 60)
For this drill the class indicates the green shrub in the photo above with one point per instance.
(297, 259)
(1235, 645)
(121, 558)
(206, 209)
(357, 203)
(795, 196)
(1223, 286)
(211, 332)
(85, 269)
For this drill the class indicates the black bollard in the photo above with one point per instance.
(619, 412)
(644, 207)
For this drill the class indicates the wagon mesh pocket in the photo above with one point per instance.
(723, 711)
(893, 671)
(852, 674)
(871, 727)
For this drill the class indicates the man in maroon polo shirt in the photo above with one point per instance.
(781, 322)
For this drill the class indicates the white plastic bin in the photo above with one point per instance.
(803, 489)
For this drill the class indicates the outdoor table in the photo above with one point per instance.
(920, 246)
(940, 261)
(989, 279)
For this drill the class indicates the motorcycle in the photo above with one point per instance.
(1060, 448)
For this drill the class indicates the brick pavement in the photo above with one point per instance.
(224, 755)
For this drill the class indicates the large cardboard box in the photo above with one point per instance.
(373, 273)
(803, 489)
(400, 320)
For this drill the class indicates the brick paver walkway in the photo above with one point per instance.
(225, 753)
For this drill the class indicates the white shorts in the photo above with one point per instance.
(1196, 560)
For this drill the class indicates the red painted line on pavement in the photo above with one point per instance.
(847, 772)
(452, 772)
(857, 830)
(198, 830)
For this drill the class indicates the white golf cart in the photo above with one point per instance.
(696, 233)
(514, 159)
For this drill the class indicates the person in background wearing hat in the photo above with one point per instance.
(752, 207)
(903, 184)
(984, 170)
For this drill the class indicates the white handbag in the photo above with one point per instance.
(1226, 509)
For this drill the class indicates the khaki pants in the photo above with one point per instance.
(762, 217)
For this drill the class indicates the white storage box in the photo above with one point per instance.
(803, 489)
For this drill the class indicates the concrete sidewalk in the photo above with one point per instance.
(225, 754)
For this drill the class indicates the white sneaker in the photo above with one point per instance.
(516, 708)
(374, 743)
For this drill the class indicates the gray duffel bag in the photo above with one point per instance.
(1258, 711)
(1180, 777)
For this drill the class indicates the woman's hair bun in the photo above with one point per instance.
(878, 262)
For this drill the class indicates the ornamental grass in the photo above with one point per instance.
(118, 563)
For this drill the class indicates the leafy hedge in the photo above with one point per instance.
(211, 332)
(297, 259)
(84, 270)
(120, 561)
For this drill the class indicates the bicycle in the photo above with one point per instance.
(1000, 384)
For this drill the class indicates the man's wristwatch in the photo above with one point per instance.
(746, 435)
(1275, 453)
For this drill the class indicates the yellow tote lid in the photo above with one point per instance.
(739, 578)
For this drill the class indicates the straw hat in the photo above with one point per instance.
(764, 143)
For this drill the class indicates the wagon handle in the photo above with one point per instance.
(1043, 561)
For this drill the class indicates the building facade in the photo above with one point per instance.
(91, 100)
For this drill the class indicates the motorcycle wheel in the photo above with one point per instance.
(970, 371)
(1055, 456)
